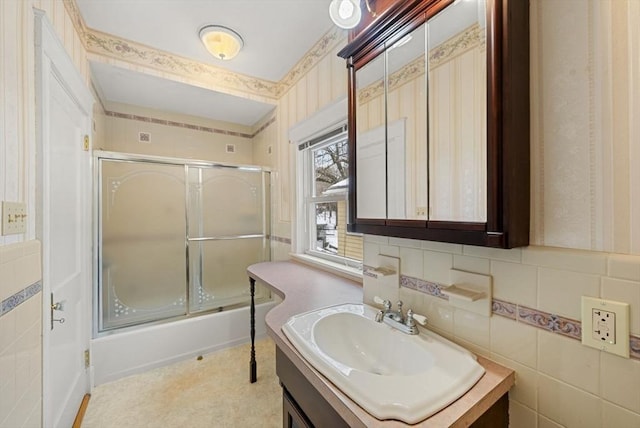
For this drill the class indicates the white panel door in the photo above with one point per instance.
(64, 109)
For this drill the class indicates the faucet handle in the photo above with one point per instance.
(411, 317)
(385, 303)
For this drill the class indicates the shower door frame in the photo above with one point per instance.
(98, 156)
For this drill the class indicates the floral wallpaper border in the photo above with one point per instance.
(106, 45)
(455, 46)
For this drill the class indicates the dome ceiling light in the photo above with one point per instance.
(221, 42)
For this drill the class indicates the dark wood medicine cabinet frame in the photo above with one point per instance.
(508, 157)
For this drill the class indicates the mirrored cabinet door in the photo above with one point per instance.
(439, 122)
(371, 152)
(407, 190)
(457, 141)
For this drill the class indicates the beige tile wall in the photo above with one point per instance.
(20, 337)
(559, 382)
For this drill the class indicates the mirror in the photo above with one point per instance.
(441, 89)
(407, 126)
(421, 139)
(458, 113)
(371, 142)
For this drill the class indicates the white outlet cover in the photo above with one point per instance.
(590, 337)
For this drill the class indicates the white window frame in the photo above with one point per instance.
(322, 123)
(309, 201)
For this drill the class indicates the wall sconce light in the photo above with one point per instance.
(221, 42)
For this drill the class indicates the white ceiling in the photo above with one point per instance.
(129, 87)
(276, 33)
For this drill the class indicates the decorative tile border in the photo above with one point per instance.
(426, 287)
(550, 322)
(12, 302)
(504, 309)
(543, 320)
(634, 347)
(187, 125)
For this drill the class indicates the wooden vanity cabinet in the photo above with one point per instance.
(505, 181)
(304, 407)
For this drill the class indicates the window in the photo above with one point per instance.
(325, 167)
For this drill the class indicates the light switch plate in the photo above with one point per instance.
(605, 325)
(14, 218)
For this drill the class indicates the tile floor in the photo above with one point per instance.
(212, 392)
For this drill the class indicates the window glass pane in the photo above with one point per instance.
(326, 195)
(331, 169)
(326, 224)
(331, 231)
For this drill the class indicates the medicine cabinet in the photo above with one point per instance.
(439, 122)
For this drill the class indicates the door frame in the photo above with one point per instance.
(53, 61)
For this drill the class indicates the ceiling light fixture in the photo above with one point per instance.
(221, 42)
(345, 13)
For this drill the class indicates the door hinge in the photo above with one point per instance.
(87, 358)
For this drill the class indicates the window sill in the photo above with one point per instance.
(329, 266)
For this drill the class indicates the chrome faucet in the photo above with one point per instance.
(396, 319)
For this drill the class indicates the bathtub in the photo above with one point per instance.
(129, 352)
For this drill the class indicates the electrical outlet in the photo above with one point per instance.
(14, 218)
(605, 325)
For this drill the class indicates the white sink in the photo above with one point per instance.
(392, 375)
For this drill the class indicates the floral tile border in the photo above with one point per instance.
(426, 287)
(550, 322)
(536, 318)
(188, 125)
(634, 347)
(504, 309)
(12, 302)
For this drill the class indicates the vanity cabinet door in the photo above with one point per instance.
(293, 417)
(439, 146)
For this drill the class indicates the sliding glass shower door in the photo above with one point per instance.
(143, 229)
(175, 238)
(228, 231)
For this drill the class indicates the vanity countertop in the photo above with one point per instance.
(303, 289)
